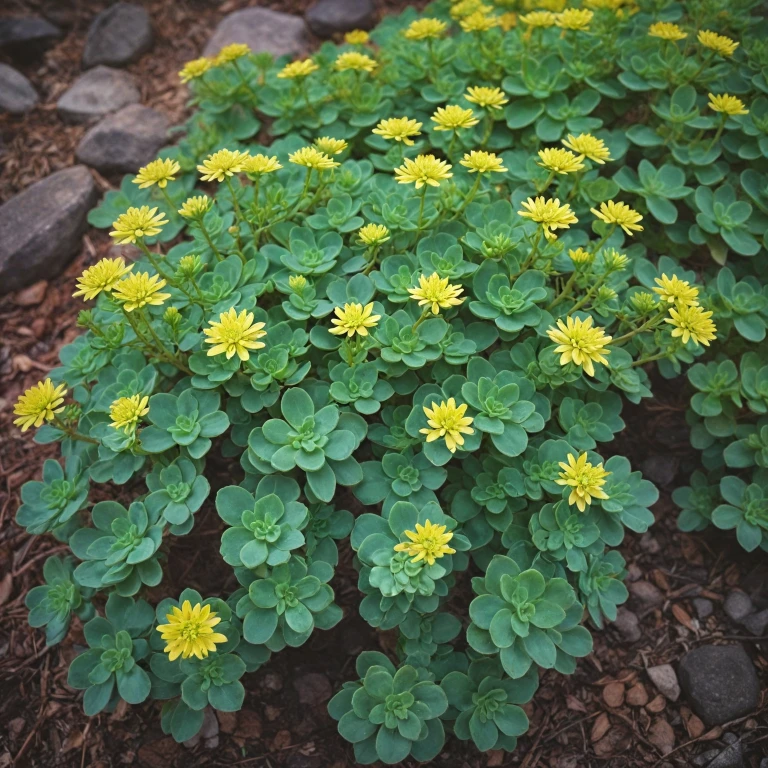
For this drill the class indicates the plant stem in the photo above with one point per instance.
(245, 82)
(720, 129)
(208, 240)
(649, 359)
(650, 323)
(565, 292)
(238, 214)
(421, 207)
(424, 315)
(468, 199)
(74, 434)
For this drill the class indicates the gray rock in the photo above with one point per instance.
(40, 228)
(27, 37)
(125, 140)
(17, 94)
(660, 469)
(313, 688)
(720, 682)
(646, 592)
(703, 607)
(737, 605)
(97, 93)
(756, 623)
(628, 625)
(665, 679)
(119, 35)
(731, 757)
(326, 17)
(261, 29)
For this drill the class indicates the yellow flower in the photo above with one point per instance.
(356, 37)
(718, 43)
(551, 214)
(468, 7)
(485, 97)
(195, 207)
(692, 322)
(297, 283)
(38, 404)
(261, 164)
(234, 334)
(620, 214)
(556, 6)
(453, 117)
(296, 69)
(373, 234)
(125, 412)
(560, 160)
(331, 146)
(539, 19)
(587, 145)
(399, 129)
(136, 224)
(615, 261)
(222, 164)
(102, 276)
(508, 21)
(425, 169)
(354, 318)
(356, 61)
(422, 29)
(194, 69)
(728, 105)
(577, 19)
(479, 161)
(158, 172)
(580, 256)
(310, 157)
(585, 480)
(189, 631)
(231, 52)
(448, 421)
(429, 543)
(676, 291)
(437, 292)
(666, 31)
(479, 22)
(579, 343)
(643, 302)
(139, 289)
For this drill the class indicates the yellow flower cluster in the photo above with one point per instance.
(136, 224)
(189, 631)
(619, 214)
(355, 61)
(580, 343)
(373, 234)
(485, 97)
(551, 214)
(425, 29)
(428, 542)
(727, 105)
(158, 172)
(39, 404)
(453, 117)
(234, 334)
(447, 420)
(310, 157)
(425, 169)
(560, 160)
(298, 69)
(585, 480)
(666, 31)
(720, 44)
(575, 19)
(140, 290)
(126, 412)
(687, 318)
(398, 129)
(102, 276)
(354, 319)
(437, 293)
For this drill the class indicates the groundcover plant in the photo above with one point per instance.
(429, 266)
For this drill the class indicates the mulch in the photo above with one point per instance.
(609, 713)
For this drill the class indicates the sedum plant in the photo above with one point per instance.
(435, 284)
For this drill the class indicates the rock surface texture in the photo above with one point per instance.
(327, 17)
(97, 93)
(125, 140)
(26, 38)
(720, 682)
(40, 228)
(262, 30)
(17, 94)
(119, 35)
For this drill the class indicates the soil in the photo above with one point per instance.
(607, 713)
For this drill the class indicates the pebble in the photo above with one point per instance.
(327, 17)
(124, 141)
(40, 228)
(756, 623)
(637, 696)
(737, 605)
(273, 681)
(118, 35)
(261, 29)
(720, 682)
(665, 679)
(17, 94)
(313, 688)
(731, 757)
(628, 625)
(646, 592)
(703, 607)
(96, 93)
(27, 37)
(660, 469)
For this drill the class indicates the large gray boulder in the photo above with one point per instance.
(124, 141)
(40, 228)
(119, 35)
(17, 94)
(327, 17)
(96, 93)
(27, 37)
(262, 30)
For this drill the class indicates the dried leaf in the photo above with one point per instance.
(662, 736)
(600, 727)
(613, 694)
(657, 704)
(574, 704)
(682, 616)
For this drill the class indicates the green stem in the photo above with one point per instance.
(647, 325)
(208, 240)
(74, 434)
(166, 353)
(567, 288)
(649, 359)
(424, 315)
(421, 207)
(546, 183)
(468, 199)
(488, 127)
(238, 215)
(602, 241)
(720, 129)
(245, 82)
(154, 262)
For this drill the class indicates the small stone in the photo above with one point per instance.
(27, 37)
(737, 605)
(720, 682)
(17, 94)
(96, 93)
(32, 296)
(637, 696)
(40, 227)
(262, 30)
(756, 623)
(326, 17)
(124, 141)
(628, 625)
(649, 544)
(313, 689)
(731, 757)
(273, 681)
(665, 679)
(660, 469)
(613, 694)
(662, 736)
(706, 757)
(117, 36)
(656, 704)
(646, 592)
(703, 607)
